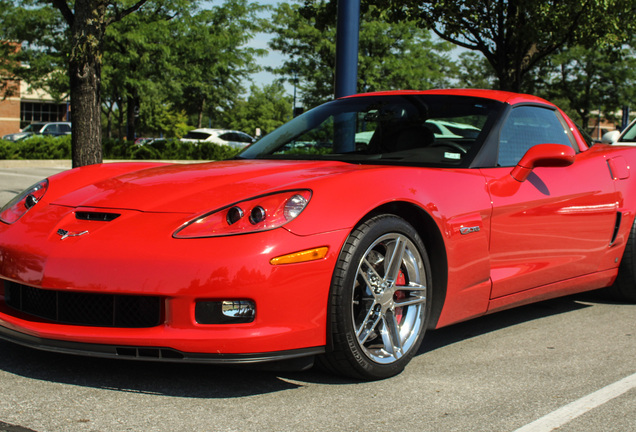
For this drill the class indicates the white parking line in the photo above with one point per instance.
(587, 403)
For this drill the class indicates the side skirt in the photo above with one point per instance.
(558, 289)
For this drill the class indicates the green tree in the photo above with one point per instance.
(391, 55)
(583, 80)
(516, 35)
(214, 59)
(87, 21)
(266, 108)
(69, 34)
(33, 36)
(475, 71)
(141, 65)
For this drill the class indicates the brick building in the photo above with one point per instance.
(23, 106)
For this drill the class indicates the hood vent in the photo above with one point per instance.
(96, 216)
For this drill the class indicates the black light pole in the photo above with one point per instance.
(347, 36)
(294, 107)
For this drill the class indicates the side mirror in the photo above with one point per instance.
(543, 155)
(610, 137)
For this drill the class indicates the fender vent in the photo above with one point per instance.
(619, 218)
(96, 216)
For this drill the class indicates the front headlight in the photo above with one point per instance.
(262, 213)
(18, 206)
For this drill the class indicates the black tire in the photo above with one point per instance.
(624, 287)
(379, 308)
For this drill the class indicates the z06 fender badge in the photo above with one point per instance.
(468, 230)
(63, 233)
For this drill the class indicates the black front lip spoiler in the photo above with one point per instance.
(151, 353)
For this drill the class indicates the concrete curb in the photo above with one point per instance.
(36, 163)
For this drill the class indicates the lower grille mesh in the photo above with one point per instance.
(99, 310)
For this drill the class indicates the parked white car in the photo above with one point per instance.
(226, 137)
(627, 137)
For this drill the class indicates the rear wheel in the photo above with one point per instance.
(624, 287)
(380, 300)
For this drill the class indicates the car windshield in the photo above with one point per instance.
(34, 127)
(630, 134)
(411, 129)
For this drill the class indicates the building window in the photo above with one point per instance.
(41, 112)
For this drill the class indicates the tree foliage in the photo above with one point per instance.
(34, 43)
(516, 35)
(195, 63)
(214, 57)
(265, 109)
(586, 80)
(65, 35)
(391, 55)
(160, 67)
(151, 69)
(139, 66)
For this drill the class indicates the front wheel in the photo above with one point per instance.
(380, 300)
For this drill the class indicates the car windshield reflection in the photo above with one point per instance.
(428, 130)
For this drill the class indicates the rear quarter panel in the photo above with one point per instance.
(621, 163)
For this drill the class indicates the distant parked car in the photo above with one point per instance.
(142, 141)
(440, 129)
(451, 129)
(226, 137)
(627, 137)
(51, 129)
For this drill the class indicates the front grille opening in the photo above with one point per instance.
(88, 309)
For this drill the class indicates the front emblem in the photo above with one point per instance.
(64, 234)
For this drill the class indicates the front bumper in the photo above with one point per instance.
(151, 353)
(139, 258)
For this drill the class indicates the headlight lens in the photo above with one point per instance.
(254, 215)
(18, 206)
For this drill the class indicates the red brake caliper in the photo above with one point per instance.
(400, 281)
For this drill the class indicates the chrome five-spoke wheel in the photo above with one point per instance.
(380, 300)
(389, 298)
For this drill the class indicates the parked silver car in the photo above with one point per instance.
(50, 128)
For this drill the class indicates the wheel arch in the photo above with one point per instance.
(430, 234)
(427, 229)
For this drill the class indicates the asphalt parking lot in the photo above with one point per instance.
(567, 364)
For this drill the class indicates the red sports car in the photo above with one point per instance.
(342, 236)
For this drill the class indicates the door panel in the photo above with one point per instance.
(554, 226)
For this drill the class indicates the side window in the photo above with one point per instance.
(244, 138)
(526, 127)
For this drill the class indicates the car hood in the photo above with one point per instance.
(198, 187)
(16, 136)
